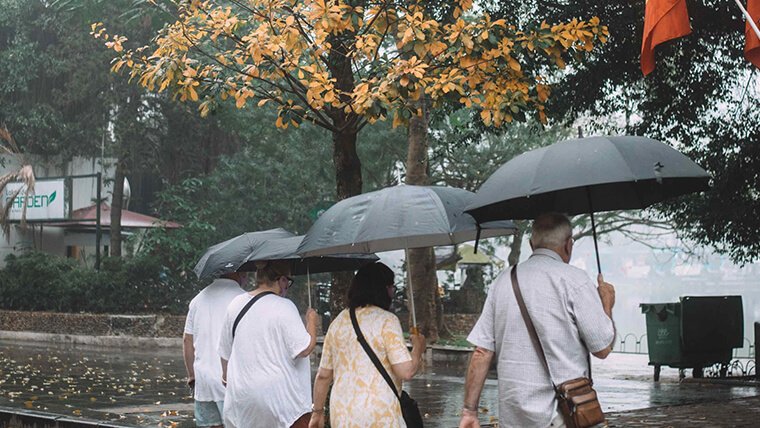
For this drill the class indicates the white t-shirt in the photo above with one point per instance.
(267, 384)
(204, 322)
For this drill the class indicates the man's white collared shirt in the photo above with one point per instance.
(567, 313)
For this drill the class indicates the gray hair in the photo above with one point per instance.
(550, 230)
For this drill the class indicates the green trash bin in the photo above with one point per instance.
(696, 332)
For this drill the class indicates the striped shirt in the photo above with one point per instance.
(569, 319)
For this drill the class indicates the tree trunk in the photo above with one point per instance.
(348, 180)
(422, 260)
(348, 168)
(515, 248)
(116, 203)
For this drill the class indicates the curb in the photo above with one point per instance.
(107, 341)
(23, 419)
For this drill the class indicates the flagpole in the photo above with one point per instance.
(749, 18)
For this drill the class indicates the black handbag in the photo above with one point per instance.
(409, 408)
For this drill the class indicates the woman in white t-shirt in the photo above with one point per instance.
(265, 360)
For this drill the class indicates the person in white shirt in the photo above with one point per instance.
(202, 328)
(264, 354)
(571, 315)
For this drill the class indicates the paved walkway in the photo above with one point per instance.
(741, 412)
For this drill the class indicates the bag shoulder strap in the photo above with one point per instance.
(532, 329)
(246, 308)
(529, 323)
(371, 353)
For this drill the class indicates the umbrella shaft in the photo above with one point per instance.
(596, 245)
(308, 282)
(411, 290)
(593, 229)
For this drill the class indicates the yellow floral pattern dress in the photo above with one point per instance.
(360, 397)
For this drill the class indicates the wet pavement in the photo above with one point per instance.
(146, 387)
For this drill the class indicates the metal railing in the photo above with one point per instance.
(631, 344)
(743, 363)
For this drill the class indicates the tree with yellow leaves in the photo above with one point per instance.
(343, 64)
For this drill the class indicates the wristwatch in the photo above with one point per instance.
(313, 410)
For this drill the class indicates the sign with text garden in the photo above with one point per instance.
(47, 202)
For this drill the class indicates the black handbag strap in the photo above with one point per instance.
(371, 353)
(246, 308)
(532, 329)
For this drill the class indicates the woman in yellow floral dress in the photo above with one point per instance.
(360, 397)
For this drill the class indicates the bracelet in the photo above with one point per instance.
(471, 408)
(318, 411)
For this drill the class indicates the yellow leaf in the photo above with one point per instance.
(240, 101)
(262, 102)
(514, 65)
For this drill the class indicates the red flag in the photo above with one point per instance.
(752, 43)
(664, 20)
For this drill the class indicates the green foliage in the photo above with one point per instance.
(274, 182)
(38, 281)
(702, 97)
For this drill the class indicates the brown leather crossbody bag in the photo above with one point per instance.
(578, 402)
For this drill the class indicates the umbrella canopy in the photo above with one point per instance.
(286, 249)
(394, 218)
(228, 256)
(587, 175)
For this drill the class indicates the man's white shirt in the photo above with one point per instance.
(204, 321)
(570, 321)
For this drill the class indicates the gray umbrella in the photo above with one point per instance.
(395, 218)
(228, 256)
(587, 175)
(286, 249)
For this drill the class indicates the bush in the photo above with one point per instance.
(42, 282)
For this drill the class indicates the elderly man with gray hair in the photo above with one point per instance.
(572, 317)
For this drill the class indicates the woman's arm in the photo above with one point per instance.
(408, 369)
(321, 386)
(312, 318)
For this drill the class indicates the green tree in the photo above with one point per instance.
(704, 104)
(345, 64)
